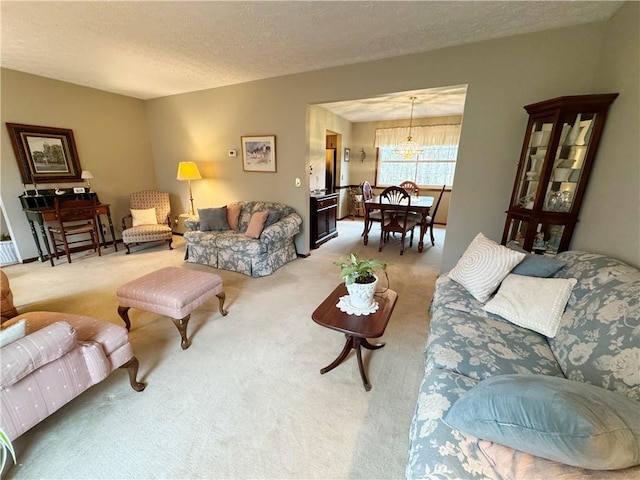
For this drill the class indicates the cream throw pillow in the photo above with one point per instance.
(483, 265)
(144, 217)
(532, 302)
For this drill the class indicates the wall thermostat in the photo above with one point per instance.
(233, 153)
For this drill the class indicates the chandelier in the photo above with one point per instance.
(408, 149)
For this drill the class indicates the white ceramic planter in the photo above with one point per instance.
(361, 294)
(8, 254)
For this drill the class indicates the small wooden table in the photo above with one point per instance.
(357, 328)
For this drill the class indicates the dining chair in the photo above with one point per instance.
(372, 215)
(150, 219)
(432, 218)
(396, 207)
(75, 218)
(411, 187)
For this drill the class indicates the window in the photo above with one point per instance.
(434, 166)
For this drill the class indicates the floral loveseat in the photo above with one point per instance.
(597, 345)
(232, 249)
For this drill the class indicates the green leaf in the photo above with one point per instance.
(6, 444)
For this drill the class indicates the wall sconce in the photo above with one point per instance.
(363, 155)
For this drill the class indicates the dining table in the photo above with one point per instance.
(421, 205)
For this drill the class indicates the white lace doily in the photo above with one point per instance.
(344, 304)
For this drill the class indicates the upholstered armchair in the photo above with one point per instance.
(150, 219)
(49, 358)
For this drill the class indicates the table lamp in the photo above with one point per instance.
(87, 175)
(189, 171)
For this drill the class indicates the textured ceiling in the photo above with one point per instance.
(432, 102)
(150, 49)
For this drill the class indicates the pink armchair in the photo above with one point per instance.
(58, 357)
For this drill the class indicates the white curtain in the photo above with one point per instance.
(421, 135)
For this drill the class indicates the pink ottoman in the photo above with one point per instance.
(170, 291)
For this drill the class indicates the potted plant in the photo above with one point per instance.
(7, 251)
(360, 278)
(358, 193)
(6, 449)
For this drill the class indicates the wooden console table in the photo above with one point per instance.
(40, 209)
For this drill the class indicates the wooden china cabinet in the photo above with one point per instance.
(558, 152)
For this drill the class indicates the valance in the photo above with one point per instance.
(421, 135)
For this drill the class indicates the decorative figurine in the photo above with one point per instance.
(538, 243)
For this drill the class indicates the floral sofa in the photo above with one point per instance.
(597, 343)
(231, 249)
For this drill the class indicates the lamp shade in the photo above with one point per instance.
(188, 171)
(86, 174)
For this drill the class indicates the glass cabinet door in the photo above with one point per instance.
(569, 162)
(517, 231)
(548, 238)
(539, 138)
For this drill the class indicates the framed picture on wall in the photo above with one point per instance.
(347, 154)
(45, 154)
(259, 153)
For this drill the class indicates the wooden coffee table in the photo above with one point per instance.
(357, 328)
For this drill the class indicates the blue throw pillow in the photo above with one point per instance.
(552, 417)
(213, 219)
(535, 265)
(272, 218)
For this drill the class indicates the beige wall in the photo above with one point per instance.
(502, 75)
(610, 217)
(111, 137)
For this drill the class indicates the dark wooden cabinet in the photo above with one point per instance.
(324, 217)
(558, 152)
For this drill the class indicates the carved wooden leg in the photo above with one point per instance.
(371, 346)
(363, 374)
(124, 314)
(132, 366)
(340, 358)
(221, 297)
(128, 251)
(170, 246)
(181, 325)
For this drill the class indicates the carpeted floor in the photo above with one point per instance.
(246, 400)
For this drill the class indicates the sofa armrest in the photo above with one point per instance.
(23, 356)
(192, 224)
(126, 219)
(289, 226)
